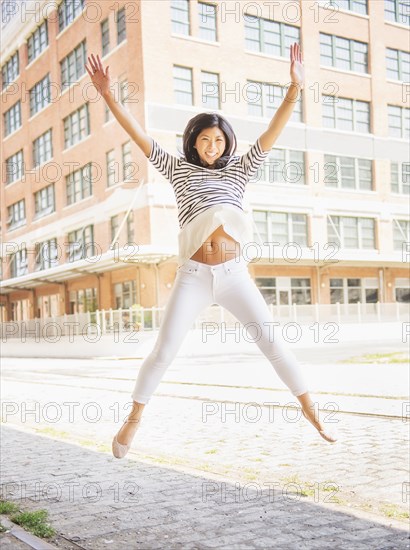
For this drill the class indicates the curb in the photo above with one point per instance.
(31, 540)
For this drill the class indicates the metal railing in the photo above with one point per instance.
(149, 319)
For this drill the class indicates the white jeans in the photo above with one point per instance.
(229, 284)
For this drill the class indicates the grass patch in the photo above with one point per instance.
(166, 460)
(35, 522)
(338, 500)
(302, 488)
(379, 358)
(53, 432)
(7, 507)
(101, 447)
(306, 489)
(211, 451)
(393, 511)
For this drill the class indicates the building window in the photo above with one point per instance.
(343, 53)
(179, 144)
(15, 167)
(349, 232)
(10, 70)
(398, 65)
(124, 92)
(357, 6)
(16, 214)
(76, 126)
(130, 228)
(121, 28)
(281, 227)
(112, 178)
(20, 308)
(68, 10)
(353, 291)
(83, 300)
(401, 233)
(300, 291)
(402, 289)
(400, 177)
(269, 37)
(180, 17)
(345, 114)
(43, 148)
(3, 315)
(125, 295)
(19, 263)
(287, 228)
(37, 42)
(207, 22)
(267, 287)
(48, 306)
(107, 113)
(397, 11)
(285, 290)
(81, 243)
(115, 224)
(73, 65)
(399, 121)
(105, 37)
(183, 85)
(282, 166)
(264, 100)
(46, 255)
(44, 202)
(210, 90)
(128, 167)
(348, 173)
(260, 219)
(12, 119)
(40, 95)
(337, 291)
(79, 184)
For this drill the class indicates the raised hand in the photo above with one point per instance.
(297, 70)
(99, 78)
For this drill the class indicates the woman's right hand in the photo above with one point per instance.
(99, 78)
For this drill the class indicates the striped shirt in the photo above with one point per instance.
(197, 188)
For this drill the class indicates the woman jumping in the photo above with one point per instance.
(209, 182)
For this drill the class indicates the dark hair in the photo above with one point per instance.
(195, 127)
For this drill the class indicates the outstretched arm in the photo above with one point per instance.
(284, 112)
(101, 80)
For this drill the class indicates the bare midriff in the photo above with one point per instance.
(218, 248)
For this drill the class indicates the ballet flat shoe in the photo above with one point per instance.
(329, 436)
(119, 450)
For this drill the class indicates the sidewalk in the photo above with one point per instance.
(136, 504)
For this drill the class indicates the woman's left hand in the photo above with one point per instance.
(297, 70)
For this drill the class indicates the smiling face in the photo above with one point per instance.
(210, 144)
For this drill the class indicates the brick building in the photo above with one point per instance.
(87, 222)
